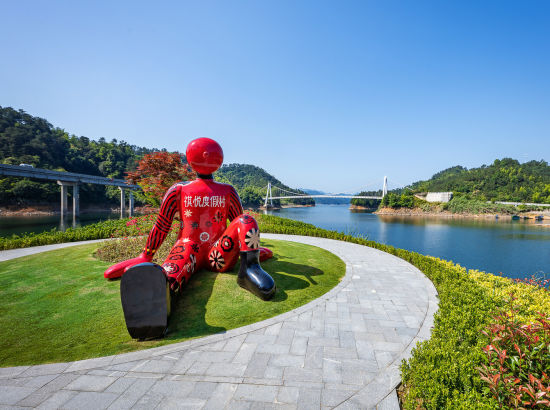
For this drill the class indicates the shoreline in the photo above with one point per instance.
(446, 214)
(46, 210)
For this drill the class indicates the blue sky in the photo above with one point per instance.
(323, 95)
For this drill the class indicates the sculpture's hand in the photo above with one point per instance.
(117, 270)
(265, 253)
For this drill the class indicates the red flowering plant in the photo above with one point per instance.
(517, 361)
(129, 241)
(157, 172)
(537, 281)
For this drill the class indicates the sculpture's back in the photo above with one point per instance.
(204, 240)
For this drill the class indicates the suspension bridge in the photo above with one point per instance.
(281, 193)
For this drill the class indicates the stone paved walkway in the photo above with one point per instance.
(342, 351)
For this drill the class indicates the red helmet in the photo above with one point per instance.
(204, 155)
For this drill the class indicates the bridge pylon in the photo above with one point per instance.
(385, 187)
(268, 195)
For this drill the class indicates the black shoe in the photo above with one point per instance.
(145, 297)
(253, 278)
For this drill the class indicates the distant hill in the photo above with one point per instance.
(327, 201)
(33, 140)
(504, 180)
(251, 181)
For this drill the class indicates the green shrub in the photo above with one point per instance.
(100, 230)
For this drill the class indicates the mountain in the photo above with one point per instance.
(327, 201)
(251, 183)
(34, 141)
(504, 180)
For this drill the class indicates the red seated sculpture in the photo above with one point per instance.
(204, 241)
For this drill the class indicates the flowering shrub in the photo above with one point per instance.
(131, 241)
(536, 281)
(517, 360)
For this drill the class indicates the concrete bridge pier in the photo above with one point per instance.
(123, 202)
(131, 203)
(64, 201)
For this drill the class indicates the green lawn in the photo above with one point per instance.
(56, 306)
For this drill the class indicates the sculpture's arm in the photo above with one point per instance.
(160, 230)
(235, 205)
(162, 226)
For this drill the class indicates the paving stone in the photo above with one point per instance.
(245, 353)
(90, 400)
(43, 369)
(298, 346)
(203, 390)
(251, 392)
(34, 399)
(390, 402)
(221, 396)
(198, 368)
(286, 360)
(175, 403)
(173, 388)
(39, 381)
(257, 365)
(302, 375)
(226, 370)
(285, 337)
(91, 383)
(234, 344)
(120, 385)
(273, 349)
(272, 372)
(288, 394)
(12, 394)
(314, 357)
(8, 372)
(332, 397)
(148, 401)
(57, 400)
(309, 399)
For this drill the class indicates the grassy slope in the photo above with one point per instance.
(58, 307)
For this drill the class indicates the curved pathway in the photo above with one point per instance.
(342, 351)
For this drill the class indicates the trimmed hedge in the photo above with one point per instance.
(100, 230)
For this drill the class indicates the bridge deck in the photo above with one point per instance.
(328, 196)
(70, 177)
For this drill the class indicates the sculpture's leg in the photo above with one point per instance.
(145, 298)
(146, 290)
(181, 263)
(243, 236)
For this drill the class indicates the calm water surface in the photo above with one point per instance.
(10, 225)
(515, 248)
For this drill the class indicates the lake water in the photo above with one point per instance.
(10, 225)
(516, 249)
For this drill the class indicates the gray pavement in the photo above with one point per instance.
(341, 351)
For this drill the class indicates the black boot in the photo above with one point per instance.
(146, 300)
(253, 278)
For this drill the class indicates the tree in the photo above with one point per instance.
(158, 171)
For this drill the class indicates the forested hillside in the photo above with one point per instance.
(251, 181)
(504, 180)
(25, 139)
(33, 140)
